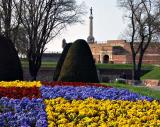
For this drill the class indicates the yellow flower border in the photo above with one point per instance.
(20, 84)
(102, 113)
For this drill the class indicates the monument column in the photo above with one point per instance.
(90, 38)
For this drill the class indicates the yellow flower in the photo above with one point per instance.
(20, 84)
(93, 125)
(96, 119)
(62, 121)
(52, 124)
(102, 113)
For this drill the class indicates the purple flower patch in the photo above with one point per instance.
(83, 92)
(22, 113)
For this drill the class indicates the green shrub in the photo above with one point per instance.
(10, 66)
(79, 65)
(60, 62)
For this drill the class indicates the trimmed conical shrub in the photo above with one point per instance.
(79, 65)
(10, 66)
(61, 61)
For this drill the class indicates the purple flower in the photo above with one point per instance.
(22, 113)
(83, 92)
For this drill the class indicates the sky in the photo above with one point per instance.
(108, 24)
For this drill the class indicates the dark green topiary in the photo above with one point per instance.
(10, 66)
(79, 65)
(60, 62)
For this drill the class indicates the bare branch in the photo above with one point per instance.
(144, 16)
(43, 20)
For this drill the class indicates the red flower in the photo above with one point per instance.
(20, 92)
(73, 84)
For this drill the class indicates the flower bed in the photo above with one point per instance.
(20, 92)
(20, 84)
(43, 104)
(73, 84)
(83, 92)
(22, 113)
(105, 113)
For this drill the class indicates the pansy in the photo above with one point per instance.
(23, 112)
(94, 112)
(20, 92)
(65, 104)
(20, 84)
(83, 92)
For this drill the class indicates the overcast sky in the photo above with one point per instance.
(108, 24)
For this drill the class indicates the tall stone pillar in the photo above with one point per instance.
(90, 38)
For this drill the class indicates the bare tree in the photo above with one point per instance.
(5, 17)
(18, 34)
(10, 23)
(43, 20)
(143, 15)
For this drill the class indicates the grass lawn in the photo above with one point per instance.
(154, 74)
(137, 89)
(51, 64)
(45, 64)
(124, 66)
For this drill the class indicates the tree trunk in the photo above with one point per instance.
(34, 65)
(32, 70)
(134, 65)
(137, 74)
(140, 65)
(34, 78)
(137, 67)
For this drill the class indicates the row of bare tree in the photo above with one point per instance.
(143, 18)
(31, 24)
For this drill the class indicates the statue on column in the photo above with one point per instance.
(64, 43)
(91, 10)
(90, 38)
